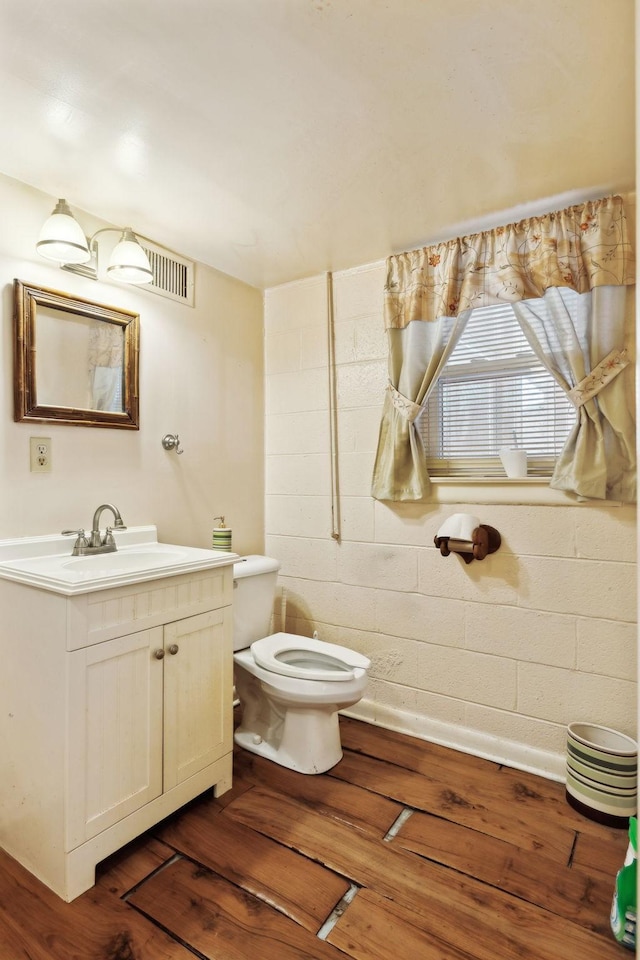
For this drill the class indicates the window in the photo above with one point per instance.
(494, 393)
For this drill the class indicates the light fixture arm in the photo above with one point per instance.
(92, 243)
(92, 239)
(121, 230)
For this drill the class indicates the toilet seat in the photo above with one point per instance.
(307, 658)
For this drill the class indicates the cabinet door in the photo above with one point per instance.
(198, 697)
(115, 731)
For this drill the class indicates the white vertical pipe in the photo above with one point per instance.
(333, 412)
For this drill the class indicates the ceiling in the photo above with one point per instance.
(277, 139)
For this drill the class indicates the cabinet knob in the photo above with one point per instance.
(158, 654)
(173, 649)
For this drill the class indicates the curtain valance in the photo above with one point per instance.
(581, 247)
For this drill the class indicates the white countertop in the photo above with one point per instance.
(46, 562)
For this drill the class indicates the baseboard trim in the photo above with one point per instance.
(543, 763)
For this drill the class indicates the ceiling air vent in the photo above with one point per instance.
(173, 275)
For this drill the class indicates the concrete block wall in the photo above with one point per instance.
(494, 657)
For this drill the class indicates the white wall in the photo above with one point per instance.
(201, 376)
(493, 657)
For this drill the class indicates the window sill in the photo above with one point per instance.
(520, 490)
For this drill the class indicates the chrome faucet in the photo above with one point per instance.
(95, 540)
(96, 543)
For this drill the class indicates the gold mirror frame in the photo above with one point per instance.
(32, 303)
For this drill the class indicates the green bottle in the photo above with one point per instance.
(623, 908)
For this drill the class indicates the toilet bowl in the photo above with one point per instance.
(290, 688)
(308, 658)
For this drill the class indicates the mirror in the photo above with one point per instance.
(75, 361)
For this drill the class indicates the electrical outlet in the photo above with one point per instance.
(40, 454)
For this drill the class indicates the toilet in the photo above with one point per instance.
(290, 688)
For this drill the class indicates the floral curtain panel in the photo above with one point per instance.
(583, 247)
(581, 349)
(417, 354)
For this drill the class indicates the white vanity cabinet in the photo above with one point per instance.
(115, 709)
(147, 712)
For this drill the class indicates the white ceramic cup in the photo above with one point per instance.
(514, 462)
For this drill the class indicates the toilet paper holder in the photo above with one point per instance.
(464, 534)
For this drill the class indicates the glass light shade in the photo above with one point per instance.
(62, 238)
(128, 262)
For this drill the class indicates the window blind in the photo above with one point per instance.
(494, 393)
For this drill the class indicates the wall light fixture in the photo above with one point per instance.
(62, 239)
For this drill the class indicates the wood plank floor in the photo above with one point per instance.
(403, 849)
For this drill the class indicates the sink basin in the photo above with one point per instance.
(46, 562)
(123, 561)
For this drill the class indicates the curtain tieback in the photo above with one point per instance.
(403, 405)
(600, 376)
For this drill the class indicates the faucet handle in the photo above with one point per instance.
(109, 540)
(81, 543)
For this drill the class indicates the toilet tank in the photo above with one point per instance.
(254, 590)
